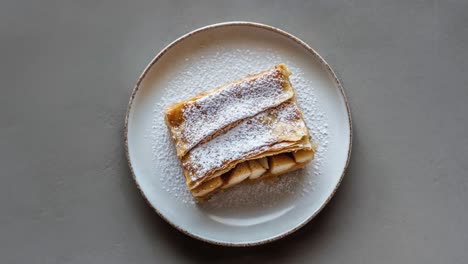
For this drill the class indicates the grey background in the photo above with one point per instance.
(67, 69)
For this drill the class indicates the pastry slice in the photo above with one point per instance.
(243, 131)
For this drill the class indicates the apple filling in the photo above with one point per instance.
(253, 170)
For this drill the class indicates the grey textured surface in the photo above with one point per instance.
(66, 195)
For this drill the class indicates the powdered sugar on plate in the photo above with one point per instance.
(202, 71)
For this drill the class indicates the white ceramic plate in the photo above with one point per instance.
(247, 214)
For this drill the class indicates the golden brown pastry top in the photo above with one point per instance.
(201, 117)
(275, 130)
(251, 118)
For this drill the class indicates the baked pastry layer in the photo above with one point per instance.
(246, 130)
(213, 111)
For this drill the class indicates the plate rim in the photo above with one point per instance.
(229, 24)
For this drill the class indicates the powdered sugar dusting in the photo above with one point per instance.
(250, 137)
(234, 102)
(208, 70)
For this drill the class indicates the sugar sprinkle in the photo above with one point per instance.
(212, 70)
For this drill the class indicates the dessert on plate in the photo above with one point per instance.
(247, 130)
